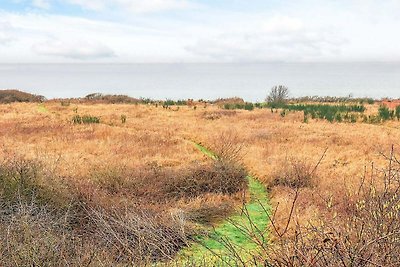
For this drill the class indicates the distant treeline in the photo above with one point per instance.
(98, 98)
(333, 99)
(10, 96)
(329, 112)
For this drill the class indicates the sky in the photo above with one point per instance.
(189, 31)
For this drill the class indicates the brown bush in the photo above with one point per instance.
(215, 115)
(41, 226)
(156, 184)
(111, 99)
(9, 96)
(366, 236)
(218, 177)
(209, 212)
(227, 146)
(139, 237)
(232, 100)
(294, 173)
(24, 179)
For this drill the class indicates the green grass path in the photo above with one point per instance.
(253, 218)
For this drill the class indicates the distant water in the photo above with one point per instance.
(207, 81)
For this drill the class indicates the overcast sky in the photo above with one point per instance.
(199, 31)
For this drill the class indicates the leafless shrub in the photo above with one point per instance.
(366, 236)
(209, 212)
(114, 180)
(227, 146)
(138, 237)
(294, 173)
(33, 235)
(11, 95)
(278, 94)
(218, 177)
(214, 115)
(24, 179)
(39, 226)
(232, 100)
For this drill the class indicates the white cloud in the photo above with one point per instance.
(300, 31)
(5, 33)
(44, 4)
(136, 6)
(89, 4)
(55, 38)
(282, 24)
(81, 50)
(279, 38)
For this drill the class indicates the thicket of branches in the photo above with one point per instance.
(364, 231)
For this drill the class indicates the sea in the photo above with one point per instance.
(250, 81)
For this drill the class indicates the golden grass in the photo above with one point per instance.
(158, 137)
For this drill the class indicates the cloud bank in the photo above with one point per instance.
(198, 31)
(80, 50)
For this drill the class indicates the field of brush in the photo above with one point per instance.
(101, 184)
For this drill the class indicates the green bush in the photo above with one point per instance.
(248, 106)
(384, 113)
(305, 118)
(170, 102)
(330, 113)
(397, 112)
(86, 119)
(123, 118)
(353, 118)
(245, 106)
(338, 117)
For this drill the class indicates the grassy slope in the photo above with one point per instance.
(233, 229)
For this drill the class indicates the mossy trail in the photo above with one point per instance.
(253, 218)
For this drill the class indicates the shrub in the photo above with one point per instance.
(397, 112)
(231, 101)
(77, 119)
(353, 118)
(111, 99)
(214, 115)
(18, 177)
(227, 146)
(245, 106)
(338, 117)
(65, 103)
(305, 117)
(221, 177)
(318, 111)
(294, 173)
(170, 102)
(248, 106)
(9, 96)
(278, 94)
(123, 118)
(86, 119)
(384, 113)
(139, 237)
(41, 224)
(23, 180)
(363, 230)
(32, 235)
(209, 212)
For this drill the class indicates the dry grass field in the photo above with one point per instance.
(133, 188)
